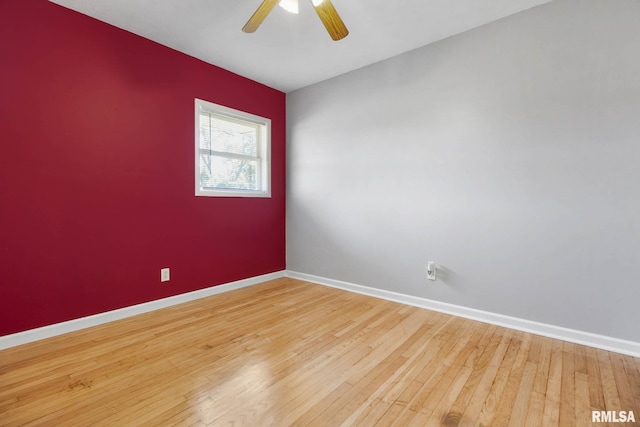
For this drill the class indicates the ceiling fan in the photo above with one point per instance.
(325, 10)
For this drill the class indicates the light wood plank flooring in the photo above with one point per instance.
(288, 352)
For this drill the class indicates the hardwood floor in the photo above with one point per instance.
(288, 352)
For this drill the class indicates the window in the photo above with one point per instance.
(232, 152)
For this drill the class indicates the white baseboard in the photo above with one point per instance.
(109, 316)
(571, 335)
(617, 345)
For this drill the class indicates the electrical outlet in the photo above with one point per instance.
(164, 275)
(431, 270)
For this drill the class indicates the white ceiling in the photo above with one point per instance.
(292, 51)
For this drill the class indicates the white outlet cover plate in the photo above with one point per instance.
(431, 271)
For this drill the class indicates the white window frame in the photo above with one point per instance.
(263, 126)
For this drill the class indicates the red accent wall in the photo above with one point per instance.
(97, 174)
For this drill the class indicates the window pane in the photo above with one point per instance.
(232, 152)
(228, 173)
(227, 135)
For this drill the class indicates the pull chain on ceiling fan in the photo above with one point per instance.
(324, 8)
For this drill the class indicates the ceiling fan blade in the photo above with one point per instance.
(330, 18)
(259, 15)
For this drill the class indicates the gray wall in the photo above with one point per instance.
(509, 155)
